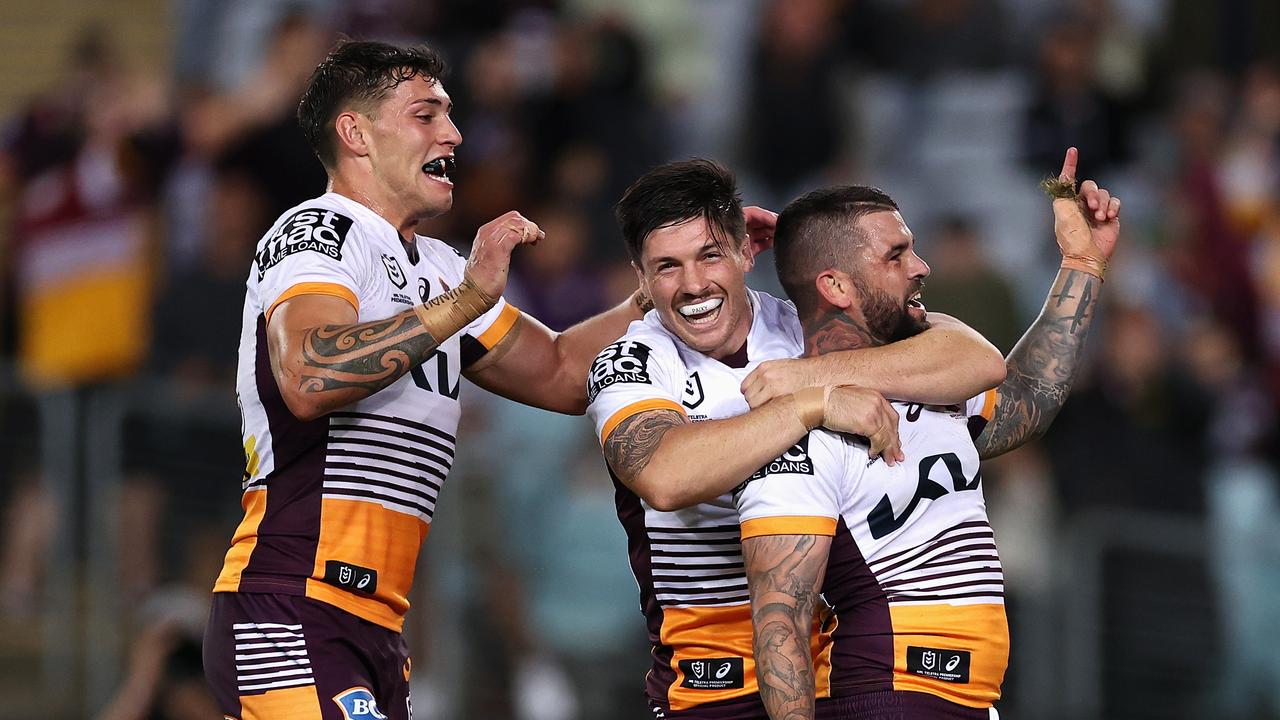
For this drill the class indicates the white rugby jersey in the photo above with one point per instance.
(336, 508)
(913, 575)
(688, 563)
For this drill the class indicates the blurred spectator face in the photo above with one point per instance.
(1067, 56)
(1134, 348)
(562, 250)
(408, 130)
(698, 286)
(888, 276)
(958, 251)
(798, 28)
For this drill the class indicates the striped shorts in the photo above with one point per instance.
(292, 658)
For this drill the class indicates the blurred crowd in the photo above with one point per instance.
(133, 197)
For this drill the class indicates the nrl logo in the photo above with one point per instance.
(394, 272)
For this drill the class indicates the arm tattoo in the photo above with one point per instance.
(368, 356)
(1042, 366)
(632, 444)
(783, 575)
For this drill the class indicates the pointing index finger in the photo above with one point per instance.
(1069, 165)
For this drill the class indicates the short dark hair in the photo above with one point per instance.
(678, 191)
(358, 73)
(817, 231)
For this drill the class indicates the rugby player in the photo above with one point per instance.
(904, 555)
(677, 432)
(355, 332)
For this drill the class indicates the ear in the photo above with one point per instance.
(352, 128)
(748, 253)
(835, 288)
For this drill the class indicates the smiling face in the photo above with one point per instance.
(410, 143)
(698, 286)
(888, 276)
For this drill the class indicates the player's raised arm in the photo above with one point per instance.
(1045, 362)
(322, 359)
(947, 363)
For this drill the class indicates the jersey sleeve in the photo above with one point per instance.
(640, 372)
(797, 493)
(308, 253)
(979, 410)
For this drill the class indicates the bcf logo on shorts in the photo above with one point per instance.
(358, 704)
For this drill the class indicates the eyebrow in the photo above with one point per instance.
(710, 244)
(448, 107)
(897, 247)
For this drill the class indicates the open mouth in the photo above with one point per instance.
(914, 303)
(440, 169)
(702, 313)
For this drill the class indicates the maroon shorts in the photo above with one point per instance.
(744, 708)
(896, 705)
(282, 657)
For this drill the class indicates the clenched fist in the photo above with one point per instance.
(490, 259)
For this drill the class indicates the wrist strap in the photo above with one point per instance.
(446, 314)
(811, 405)
(1096, 267)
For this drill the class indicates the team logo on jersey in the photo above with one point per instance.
(424, 290)
(358, 704)
(317, 230)
(712, 673)
(881, 521)
(394, 272)
(795, 461)
(693, 394)
(945, 665)
(625, 361)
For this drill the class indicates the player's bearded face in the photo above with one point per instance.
(698, 286)
(412, 147)
(889, 278)
(890, 318)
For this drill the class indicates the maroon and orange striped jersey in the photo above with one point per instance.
(336, 508)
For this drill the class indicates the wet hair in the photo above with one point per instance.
(673, 193)
(818, 231)
(358, 75)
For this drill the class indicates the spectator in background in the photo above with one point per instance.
(793, 129)
(82, 260)
(253, 129)
(1152, 416)
(969, 286)
(930, 37)
(1068, 107)
(1242, 492)
(560, 285)
(1211, 258)
(596, 128)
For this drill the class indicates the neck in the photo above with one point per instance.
(403, 221)
(830, 329)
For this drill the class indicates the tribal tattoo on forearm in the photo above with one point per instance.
(783, 572)
(632, 444)
(1043, 365)
(366, 357)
